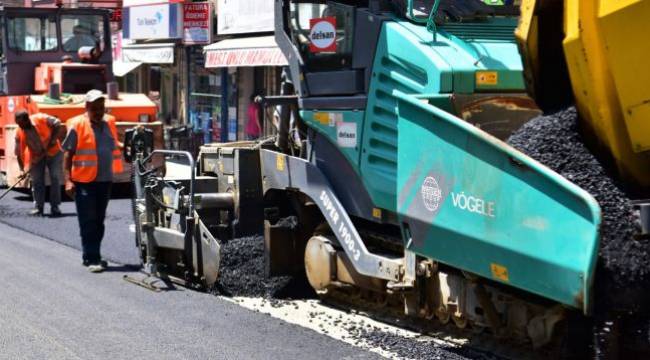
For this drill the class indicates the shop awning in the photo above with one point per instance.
(121, 68)
(148, 53)
(250, 51)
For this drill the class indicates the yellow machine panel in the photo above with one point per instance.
(605, 47)
(625, 27)
(607, 56)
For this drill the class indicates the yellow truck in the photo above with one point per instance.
(599, 50)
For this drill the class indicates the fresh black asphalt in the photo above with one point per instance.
(52, 307)
(118, 245)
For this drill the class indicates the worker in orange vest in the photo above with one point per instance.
(38, 147)
(92, 156)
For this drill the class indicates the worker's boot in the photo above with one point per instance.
(37, 211)
(55, 212)
(96, 267)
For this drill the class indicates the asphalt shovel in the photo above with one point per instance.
(20, 179)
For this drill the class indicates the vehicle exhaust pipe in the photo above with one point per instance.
(224, 201)
(54, 91)
(112, 90)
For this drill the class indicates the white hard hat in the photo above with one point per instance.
(94, 95)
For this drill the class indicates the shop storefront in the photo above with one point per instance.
(151, 58)
(205, 96)
(163, 53)
(246, 62)
(159, 75)
(252, 67)
(204, 85)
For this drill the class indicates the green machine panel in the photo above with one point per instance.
(467, 58)
(471, 201)
(342, 127)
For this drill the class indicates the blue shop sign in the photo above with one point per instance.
(162, 21)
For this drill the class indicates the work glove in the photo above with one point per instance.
(70, 189)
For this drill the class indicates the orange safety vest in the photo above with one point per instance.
(44, 132)
(84, 160)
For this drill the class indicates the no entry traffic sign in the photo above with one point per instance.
(322, 34)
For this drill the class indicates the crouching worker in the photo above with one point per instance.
(38, 148)
(92, 156)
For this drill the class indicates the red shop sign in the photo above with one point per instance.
(197, 23)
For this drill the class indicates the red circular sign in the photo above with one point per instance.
(322, 34)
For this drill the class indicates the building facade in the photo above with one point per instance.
(200, 61)
(248, 60)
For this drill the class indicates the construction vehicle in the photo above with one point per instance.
(35, 76)
(395, 170)
(593, 61)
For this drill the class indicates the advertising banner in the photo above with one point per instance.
(128, 3)
(162, 21)
(244, 16)
(148, 53)
(197, 23)
(244, 51)
(40, 3)
(245, 57)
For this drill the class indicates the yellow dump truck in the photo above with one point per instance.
(599, 50)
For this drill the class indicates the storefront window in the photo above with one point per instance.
(164, 79)
(82, 30)
(32, 34)
(205, 97)
(233, 103)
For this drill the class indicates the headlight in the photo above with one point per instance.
(143, 118)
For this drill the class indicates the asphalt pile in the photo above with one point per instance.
(242, 270)
(412, 348)
(555, 141)
(242, 274)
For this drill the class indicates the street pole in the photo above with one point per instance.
(224, 105)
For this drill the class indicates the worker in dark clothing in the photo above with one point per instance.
(92, 156)
(38, 148)
(81, 37)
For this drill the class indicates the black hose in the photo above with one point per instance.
(134, 212)
(285, 115)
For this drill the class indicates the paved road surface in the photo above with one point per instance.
(51, 307)
(118, 244)
(51, 298)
